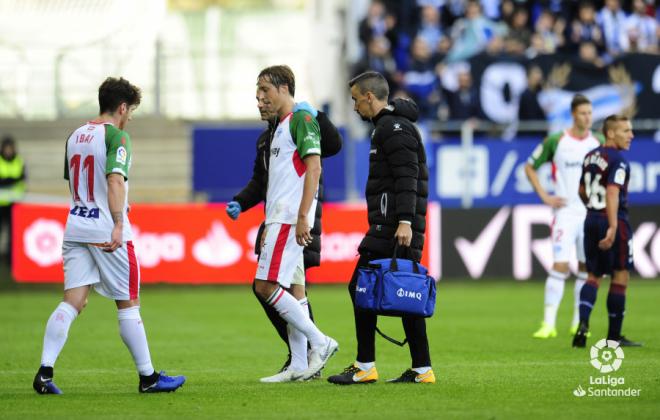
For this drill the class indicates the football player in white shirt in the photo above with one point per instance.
(293, 178)
(565, 150)
(98, 249)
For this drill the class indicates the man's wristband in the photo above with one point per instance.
(407, 222)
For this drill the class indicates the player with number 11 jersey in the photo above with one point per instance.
(97, 250)
(94, 151)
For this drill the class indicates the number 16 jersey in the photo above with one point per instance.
(602, 167)
(94, 151)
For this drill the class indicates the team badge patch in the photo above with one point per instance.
(620, 176)
(121, 155)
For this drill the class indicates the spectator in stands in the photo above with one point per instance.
(550, 37)
(429, 28)
(506, 11)
(612, 21)
(642, 29)
(585, 28)
(441, 50)
(378, 57)
(405, 14)
(378, 23)
(518, 36)
(472, 34)
(464, 102)
(420, 80)
(12, 187)
(588, 54)
(529, 107)
(491, 9)
(452, 11)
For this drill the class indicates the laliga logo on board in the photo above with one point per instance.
(42, 242)
(606, 356)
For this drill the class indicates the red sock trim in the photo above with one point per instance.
(617, 289)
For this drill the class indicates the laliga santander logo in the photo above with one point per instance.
(606, 356)
(42, 242)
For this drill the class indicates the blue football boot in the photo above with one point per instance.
(45, 385)
(163, 384)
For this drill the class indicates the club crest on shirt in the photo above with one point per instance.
(121, 155)
(275, 151)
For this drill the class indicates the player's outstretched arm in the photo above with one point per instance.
(116, 198)
(612, 209)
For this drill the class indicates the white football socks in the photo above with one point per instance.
(580, 280)
(57, 331)
(132, 333)
(291, 311)
(422, 370)
(365, 366)
(298, 342)
(554, 291)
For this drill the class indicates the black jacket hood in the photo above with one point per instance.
(406, 108)
(399, 107)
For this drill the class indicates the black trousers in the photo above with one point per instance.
(5, 224)
(278, 322)
(365, 327)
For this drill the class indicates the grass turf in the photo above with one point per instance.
(484, 358)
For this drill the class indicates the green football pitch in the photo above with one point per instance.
(484, 358)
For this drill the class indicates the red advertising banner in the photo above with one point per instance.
(196, 243)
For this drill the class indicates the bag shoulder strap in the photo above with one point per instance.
(390, 339)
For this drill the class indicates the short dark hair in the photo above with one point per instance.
(371, 81)
(114, 92)
(279, 76)
(579, 99)
(7, 141)
(609, 122)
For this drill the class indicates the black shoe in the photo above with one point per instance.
(624, 342)
(354, 375)
(414, 377)
(45, 385)
(580, 338)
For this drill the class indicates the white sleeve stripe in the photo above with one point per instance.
(118, 170)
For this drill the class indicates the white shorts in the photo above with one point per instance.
(115, 275)
(281, 258)
(567, 232)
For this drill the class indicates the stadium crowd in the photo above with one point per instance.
(423, 47)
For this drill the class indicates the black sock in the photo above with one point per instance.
(616, 306)
(149, 379)
(46, 371)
